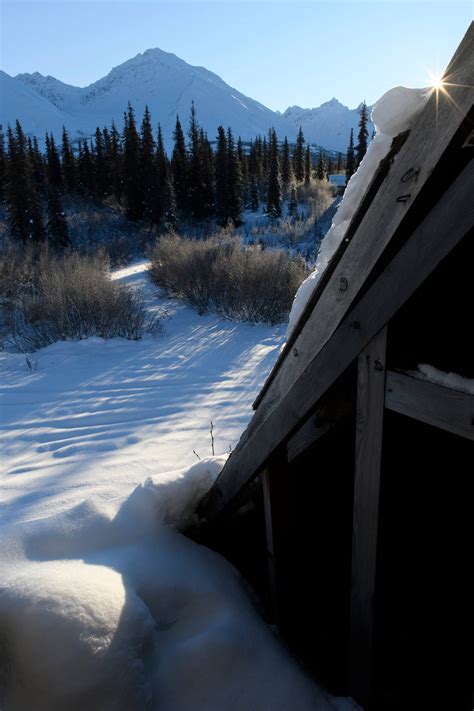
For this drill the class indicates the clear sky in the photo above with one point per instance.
(281, 53)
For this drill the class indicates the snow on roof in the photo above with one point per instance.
(394, 113)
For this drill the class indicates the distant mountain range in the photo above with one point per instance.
(167, 85)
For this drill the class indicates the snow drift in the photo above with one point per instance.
(118, 610)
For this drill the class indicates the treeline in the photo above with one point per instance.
(199, 181)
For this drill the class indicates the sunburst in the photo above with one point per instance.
(440, 85)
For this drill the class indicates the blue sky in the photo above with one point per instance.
(281, 53)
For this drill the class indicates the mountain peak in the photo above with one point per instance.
(168, 85)
(333, 103)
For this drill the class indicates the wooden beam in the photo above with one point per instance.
(434, 404)
(276, 514)
(308, 434)
(414, 164)
(450, 220)
(368, 456)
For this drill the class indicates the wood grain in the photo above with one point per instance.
(368, 456)
(434, 404)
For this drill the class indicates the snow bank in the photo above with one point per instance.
(393, 113)
(104, 611)
(449, 380)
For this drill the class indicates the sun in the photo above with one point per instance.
(437, 83)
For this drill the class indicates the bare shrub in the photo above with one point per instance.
(69, 297)
(93, 227)
(318, 196)
(220, 274)
(300, 233)
(16, 272)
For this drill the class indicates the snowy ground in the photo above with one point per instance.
(103, 604)
(96, 418)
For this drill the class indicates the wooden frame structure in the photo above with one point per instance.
(345, 381)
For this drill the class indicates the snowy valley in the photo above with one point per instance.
(210, 319)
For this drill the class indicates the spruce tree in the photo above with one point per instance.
(170, 219)
(361, 148)
(23, 202)
(85, 169)
(254, 195)
(307, 166)
(179, 167)
(207, 174)
(244, 168)
(256, 167)
(147, 168)
(293, 202)
(100, 166)
(298, 157)
(350, 163)
(56, 226)
(115, 164)
(265, 163)
(199, 179)
(286, 168)
(162, 170)
(321, 170)
(37, 167)
(69, 164)
(274, 188)
(53, 163)
(131, 166)
(234, 182)
(3, 165)
(221, 178)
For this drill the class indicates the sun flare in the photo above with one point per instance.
(437, 83)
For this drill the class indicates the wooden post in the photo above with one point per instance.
(275, 507)
(368, 452)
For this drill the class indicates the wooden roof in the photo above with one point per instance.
(418, 207)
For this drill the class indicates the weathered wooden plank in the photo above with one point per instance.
(436, 405)
(274, 500)
(377, 180)
(417, 158)
(375, 184)
(308, 434)
(368, 456)
(449, 221)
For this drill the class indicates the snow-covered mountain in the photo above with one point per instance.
(328, 125)
(36, 113)
(155, 78)
(167, 85)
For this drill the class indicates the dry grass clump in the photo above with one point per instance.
(47, 298)
(220, 274)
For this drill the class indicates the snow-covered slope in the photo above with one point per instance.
(36, 113)
(167, 85)
(328, 125)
